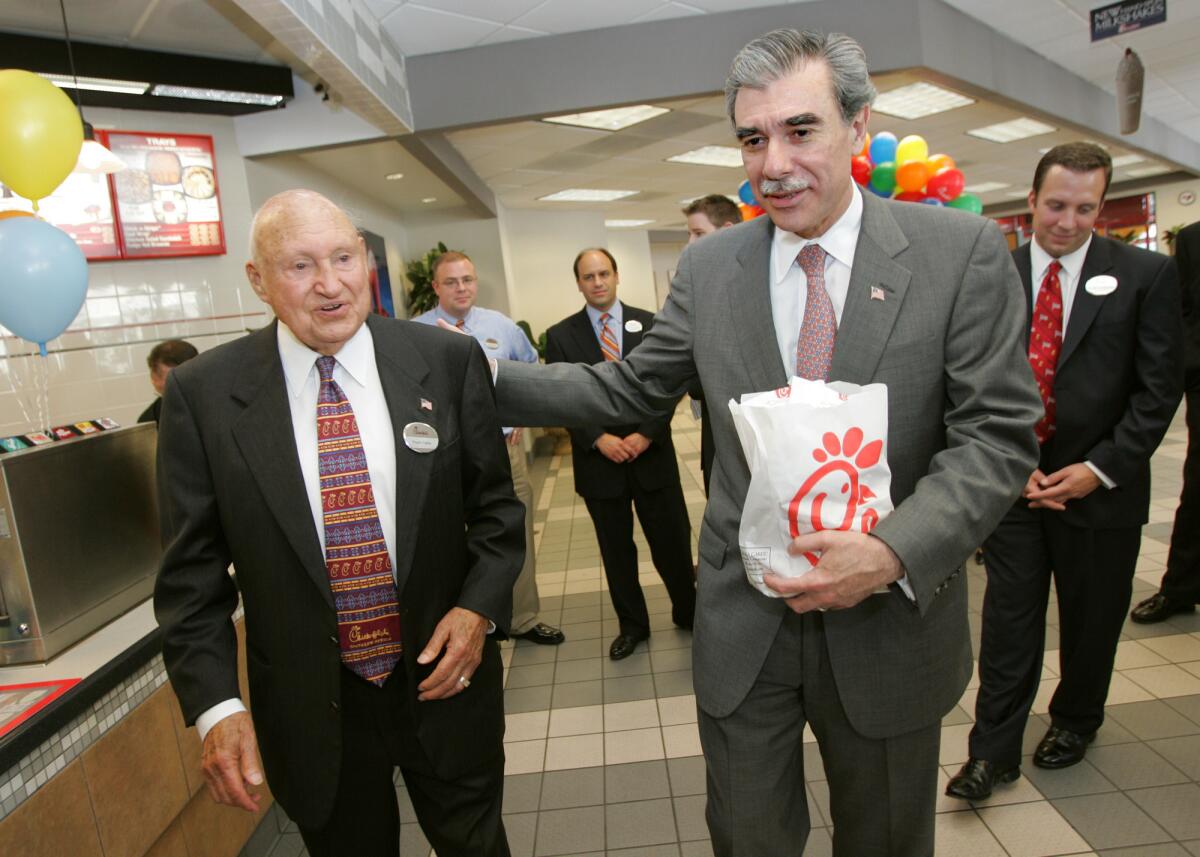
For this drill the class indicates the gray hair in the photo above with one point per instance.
(778, 53)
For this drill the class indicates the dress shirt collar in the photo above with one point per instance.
(614, 313)
(355, 357)
(839, 241)
(1039, 261)
(468, 322)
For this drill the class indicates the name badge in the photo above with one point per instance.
(491, 343)
(1101, 285)
(633, 326)
(420, 437)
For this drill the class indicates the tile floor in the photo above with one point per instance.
(603, 757)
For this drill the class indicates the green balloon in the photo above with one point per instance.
(967, 202)
(883, 177)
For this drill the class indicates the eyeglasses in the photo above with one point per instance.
(454, 283)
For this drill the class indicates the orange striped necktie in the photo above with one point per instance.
(608, 342)
(461, 323)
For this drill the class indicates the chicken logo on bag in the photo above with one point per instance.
(841, 462)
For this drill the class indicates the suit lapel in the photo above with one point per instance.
(585, 338)
(867, 321)
(1024, 261)
(750, 309)
(629, 339)
(401, 371)
(264, 434)
(1086, 305)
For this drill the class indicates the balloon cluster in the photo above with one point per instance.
(43, 273)
(748, 206)
(904, 170)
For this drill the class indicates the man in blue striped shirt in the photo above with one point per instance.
(457, 287)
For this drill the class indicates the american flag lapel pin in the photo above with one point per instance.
(876, 293)
(426, 405)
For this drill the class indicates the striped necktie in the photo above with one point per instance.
(360, 570)
(608, 342)
(818, 330)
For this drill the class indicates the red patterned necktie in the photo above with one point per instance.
(360, 570)
(461, 323)
(608, 342)
(1045, 342)
(818, 330)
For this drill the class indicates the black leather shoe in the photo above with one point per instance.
(1158, 607)
(623, 646)
(1061, 748)
(543, 634)
(977, 777)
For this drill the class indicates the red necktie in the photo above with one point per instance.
(1045, 342)
(818, 330)
(461, 323)
(608, 342)
(360, 570)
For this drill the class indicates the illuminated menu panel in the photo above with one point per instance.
(82, 207)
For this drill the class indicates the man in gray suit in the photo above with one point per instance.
(836, 285)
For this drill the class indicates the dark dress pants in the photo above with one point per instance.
(664, 520)
(1181, 583)
(461, 817)
(882, 792)
(1093, 576)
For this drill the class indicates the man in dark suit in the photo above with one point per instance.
(162, 359)
(352, 470)
(843, 286)
(618, 468)
(1105, 344)
(1180, 588)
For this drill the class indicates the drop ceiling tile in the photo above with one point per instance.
(735, 5)
(511, 34)
(502, 11)
(381, 8)
(667, 11)
(417, 30)
(569, 16)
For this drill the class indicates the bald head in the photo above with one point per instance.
(308, 263)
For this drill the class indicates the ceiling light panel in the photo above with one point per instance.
(1142, 172)
(710, 156)
(201, 94)
(1014, 129)
(578, 194)
(625, 224)
(98, 84)
(609, 120)
(917, 100)
(986, 187)
(1127, 160)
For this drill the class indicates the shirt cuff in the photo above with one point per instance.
(907, 587)
(210, 718)
(1108, 483)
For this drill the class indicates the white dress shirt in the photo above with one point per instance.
(1068, 281)
(358, 377)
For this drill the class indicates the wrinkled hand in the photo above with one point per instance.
(852, 566)
(514, 436)
(229, 761)
(1073, 482)
(636, 444)
(459, 639)
(613, 448)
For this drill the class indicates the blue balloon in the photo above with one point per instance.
(43, 279)
(883, 147)
(746, 193)
(932, 200)
(886, 194)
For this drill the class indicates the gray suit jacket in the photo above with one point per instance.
(946, 339)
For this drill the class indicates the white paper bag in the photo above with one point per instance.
(818, 461)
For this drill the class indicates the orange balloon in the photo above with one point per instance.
(937, 162)
(4, 215)
(866, 149)
(912, 176)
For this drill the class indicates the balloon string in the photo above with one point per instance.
(70, 59)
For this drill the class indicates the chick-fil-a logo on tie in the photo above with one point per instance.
(841, 461)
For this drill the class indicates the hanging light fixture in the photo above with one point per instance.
(93, 157)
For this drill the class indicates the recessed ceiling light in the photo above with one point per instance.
(692, 199)
(986, 187)
(579, 194)
(1152, 170)
(918, 99)
(429, 199)
(98, 84)
(609, 120)
(1017, 194)
(1126, 160)
(1014, 129)
(204, 94)
(625, 224)
(710, 156)
(392, 177)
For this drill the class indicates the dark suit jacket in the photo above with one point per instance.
(231, 491)
(573, 340)
(1119, 378)
(1187, 258)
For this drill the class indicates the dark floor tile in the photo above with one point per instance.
(636, 781)
(674, 683)
(1183, 753)
(697, 849)
(1162, 849)
(672, 660)
(583, 630)
(520, 829)
(289, 845)
(1134, 766)
(671, 850)
(578, 693)
(1110, 820)
(819, 844)
(530, 654)
(412, 840)
(1133, 631)
(687, 776)
(956, 717)
(408, 815)
(576, 649)
(585, 669)
(1152, 719)
(264, 837)
(649, 822)
(630, 688)
(583, 599)
(530, 676)
(522, 699)
(572, 788)
(1081, 779)
(636, 664)
(567, 831)
(1188, 706)
(1113, 732)
(818, 793)
(689, 818)
(522, 793)
(1176, 808)
(671, 638)
(814, 767)
(581, 614)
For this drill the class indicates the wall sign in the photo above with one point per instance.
(1126, 16)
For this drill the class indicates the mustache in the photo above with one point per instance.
(793, 184)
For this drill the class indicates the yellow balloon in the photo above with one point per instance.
(40, 134)
(912, 148)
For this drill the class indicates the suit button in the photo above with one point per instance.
(333, 704)
(333, 638)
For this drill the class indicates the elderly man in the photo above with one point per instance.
(351, 469)
(831, 285)
(457, 287)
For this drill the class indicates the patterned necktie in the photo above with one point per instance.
(608, 342)
(461, 323)
(360, 570)
(818, 330)
(1045, 342)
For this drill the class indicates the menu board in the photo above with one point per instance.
(82, 207)
(167, 201)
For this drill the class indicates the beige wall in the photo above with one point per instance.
(479, 239)
(1169, 213)
(631, 247)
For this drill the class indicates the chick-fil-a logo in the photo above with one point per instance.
(842, 461)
